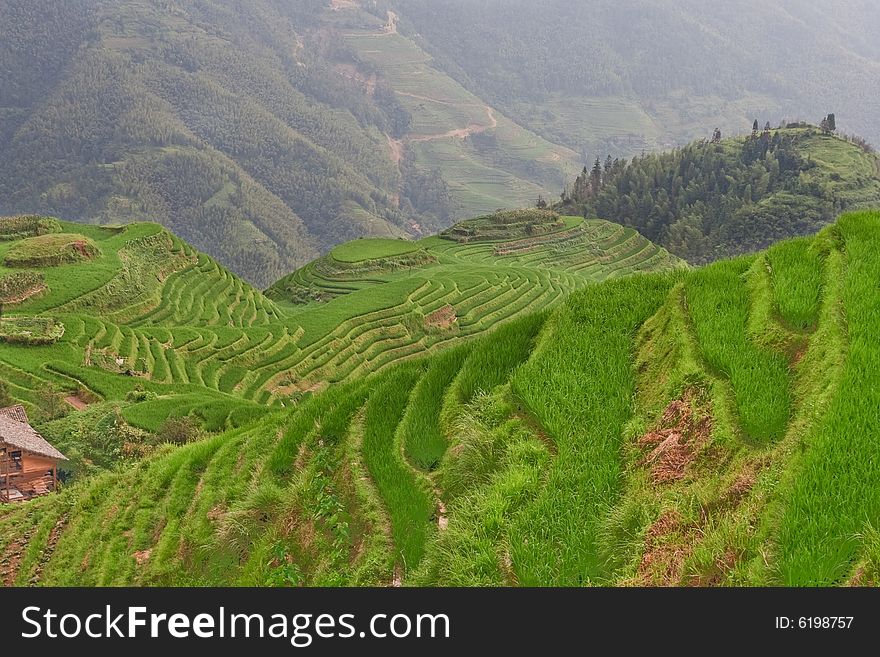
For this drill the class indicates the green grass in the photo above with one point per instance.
(352, 443)
(797, 267)
(834, 500)
(718, 302)
(409, 505)
(422, 437)
(51, 250)
(579, 384)
(372, 249)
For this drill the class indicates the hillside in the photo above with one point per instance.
(623, 76)
(708, 426)
(142, 327)
(264, 133)
(718, 199)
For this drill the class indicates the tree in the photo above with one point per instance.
(596, 177)
(716, 136)
(755, 127)
(828, 124)
(542, 203)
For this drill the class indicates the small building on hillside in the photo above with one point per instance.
(28, 463)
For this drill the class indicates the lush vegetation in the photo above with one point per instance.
(719, 198)
(158, 335)
(623, 76)
(673, 427)
(263, 133)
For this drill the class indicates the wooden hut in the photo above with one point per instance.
(28, 463)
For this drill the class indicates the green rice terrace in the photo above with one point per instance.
(673, 427)
(139, 322)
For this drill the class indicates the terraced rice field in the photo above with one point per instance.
(446, 119)
(150, 313)
(614, 440)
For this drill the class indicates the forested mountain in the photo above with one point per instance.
(259, 131)
(269, 131)
(229, 123)
(622, 75)
(725, 197)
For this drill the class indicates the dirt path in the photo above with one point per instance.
(462, 133)
(339, 5)
(77, 402)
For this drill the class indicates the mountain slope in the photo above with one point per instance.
(215, 119)
(247, 128)
(706, 426)
(622, 76)
(711, 200)
(137, 321)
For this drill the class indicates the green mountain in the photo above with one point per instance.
(623, 76)
(265, 133)
(711, 200)
(260, 131)
(137, 319)
(674, 426)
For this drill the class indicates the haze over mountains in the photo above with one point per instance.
(266, 132)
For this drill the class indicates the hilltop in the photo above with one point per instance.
(681, 427)
(722, 198)
(136, 324)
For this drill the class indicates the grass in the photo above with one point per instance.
(718, 303)
(409, 505)
(354, 443)
(579, 383)
(371, 249)
(422, 437)
(797, 267)
(833, 500)
(51, 250)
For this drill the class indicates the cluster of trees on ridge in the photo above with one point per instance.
(718, 198)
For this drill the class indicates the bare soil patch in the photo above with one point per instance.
(675, 443)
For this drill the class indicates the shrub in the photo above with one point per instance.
(15, 228)
(179, 430)
(18, 286)
(51, 404)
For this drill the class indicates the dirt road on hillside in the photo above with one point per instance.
(461, 133)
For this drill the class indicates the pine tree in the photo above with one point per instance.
(596, 177)
(755, 127)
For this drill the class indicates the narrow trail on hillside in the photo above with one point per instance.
(461, 133)
(438, 100)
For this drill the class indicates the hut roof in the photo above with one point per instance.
(19, 433)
